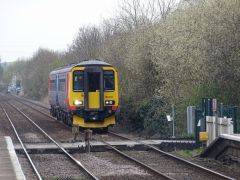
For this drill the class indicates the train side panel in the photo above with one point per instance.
(62, 92)
(52, 91)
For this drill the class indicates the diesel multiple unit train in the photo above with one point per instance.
(84, 94)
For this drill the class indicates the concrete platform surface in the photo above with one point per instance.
(10, 168)
(235, 137)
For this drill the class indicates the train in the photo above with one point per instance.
(85, 94)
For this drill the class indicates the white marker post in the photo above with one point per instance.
(214, 108)
(171, 118)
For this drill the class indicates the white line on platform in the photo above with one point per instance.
(16, 165)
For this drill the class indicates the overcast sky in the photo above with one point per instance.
(26, 25)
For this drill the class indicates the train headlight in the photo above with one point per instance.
(110, 102)
(78, 102)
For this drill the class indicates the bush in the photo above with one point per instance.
(152, 114)
(129, 113)
(147, 116)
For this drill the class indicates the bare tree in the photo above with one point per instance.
(136, 13)
(87, 43)
(165, 7)
(1, 69)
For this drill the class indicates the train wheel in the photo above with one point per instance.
(53, 112)
(61, 116)
(81, 129)
(105, 130)
(58, 116)
(69, 119)
(64, 118)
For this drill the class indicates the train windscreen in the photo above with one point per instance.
(78, 81)
(93, 81)
(108, 80)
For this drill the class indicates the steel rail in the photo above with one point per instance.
(175, 157)
(135, 160)
(30, 101)
(150, 146)
(23, 146)
(56, 143)
(43, 113)
(138, 162)
(36, 109)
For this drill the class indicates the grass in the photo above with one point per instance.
(189, 153)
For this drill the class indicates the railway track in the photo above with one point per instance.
(189, 169)
(53, 127)
(23, 146)
(69, 156)
(32, 102)
(141, 165)
(156, 173)
(144, 165)
(187, 166)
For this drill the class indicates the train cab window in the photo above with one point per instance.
(93, 81)
(108, 80)
(78, 81)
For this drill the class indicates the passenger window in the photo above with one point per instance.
(62, 85)
(52, 85)
(78, 81)
(108, 80)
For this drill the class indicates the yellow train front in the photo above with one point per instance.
(85, 94)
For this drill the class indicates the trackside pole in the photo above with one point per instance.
(173, 118)
(87, 138)
(75, 131)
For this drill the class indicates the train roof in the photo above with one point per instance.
(83, 63)
(93, 63)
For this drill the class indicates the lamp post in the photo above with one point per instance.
(173, 118)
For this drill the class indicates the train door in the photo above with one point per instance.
(93, 88)
(57, 89)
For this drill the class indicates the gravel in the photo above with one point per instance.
(26, 167)
(52, 166)
(105, 165)
(55, 129)
(5, 127)
(27, 131)
(108, 165)
(170, 167)
(215, 165)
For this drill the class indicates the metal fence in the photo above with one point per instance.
(196, 116)
(234, 113)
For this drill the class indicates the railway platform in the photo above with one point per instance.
(9, 164)
(225, 148)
